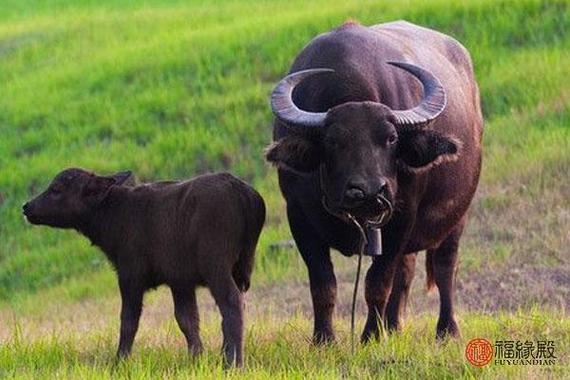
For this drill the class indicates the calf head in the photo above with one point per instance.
(71, 195)
(358, 147)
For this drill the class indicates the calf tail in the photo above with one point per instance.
(429, 271)
(254, 219)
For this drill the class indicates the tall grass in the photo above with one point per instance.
(276, 349)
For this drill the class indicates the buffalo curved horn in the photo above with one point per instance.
(433, 102)
(282, 100)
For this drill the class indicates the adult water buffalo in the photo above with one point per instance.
(389, 112)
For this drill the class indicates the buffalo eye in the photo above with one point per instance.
(392, 139)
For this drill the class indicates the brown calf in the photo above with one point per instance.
(200, 232)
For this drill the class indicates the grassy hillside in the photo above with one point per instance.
(170, 89)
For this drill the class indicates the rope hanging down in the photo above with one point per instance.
(347, 217)
(363, 243)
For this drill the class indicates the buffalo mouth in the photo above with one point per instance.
(373, 213)
(34, 218)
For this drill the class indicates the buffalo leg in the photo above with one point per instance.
(380, 276)
(230, 302)
(186, 313)
(321, 277)
(444, 262)
(400, 290)
(132, 297)
(378, 286)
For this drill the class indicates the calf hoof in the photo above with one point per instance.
(232, 362)
(447, 329)
(122, 355)
(119, 359)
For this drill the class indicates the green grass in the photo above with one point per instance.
(170, 89)
(277, 348)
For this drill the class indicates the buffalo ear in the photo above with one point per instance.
(420, 150)
(294, 153)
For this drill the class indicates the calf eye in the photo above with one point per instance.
(392, 139)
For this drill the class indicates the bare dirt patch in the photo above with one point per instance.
(484, 290)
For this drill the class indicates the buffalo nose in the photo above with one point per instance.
(25, 207)
(354, 194)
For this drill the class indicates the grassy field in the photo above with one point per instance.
(170, 89)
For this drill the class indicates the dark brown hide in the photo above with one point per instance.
(363, 148)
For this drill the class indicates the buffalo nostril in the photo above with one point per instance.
(25, 207)
(382, 188)
(355, 193)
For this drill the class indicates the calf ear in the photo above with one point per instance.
(123, 178)
(294, 153)
(420, 150)
(97, 188)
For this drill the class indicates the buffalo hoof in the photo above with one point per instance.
(372, 332)
(195, 350)
(323, 338)
(447, 329)
(394, 326)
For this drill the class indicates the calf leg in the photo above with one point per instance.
(132, 297)
(186, 313)
(444, 265)
(230, 302)
(321, 276)
(400, 290)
